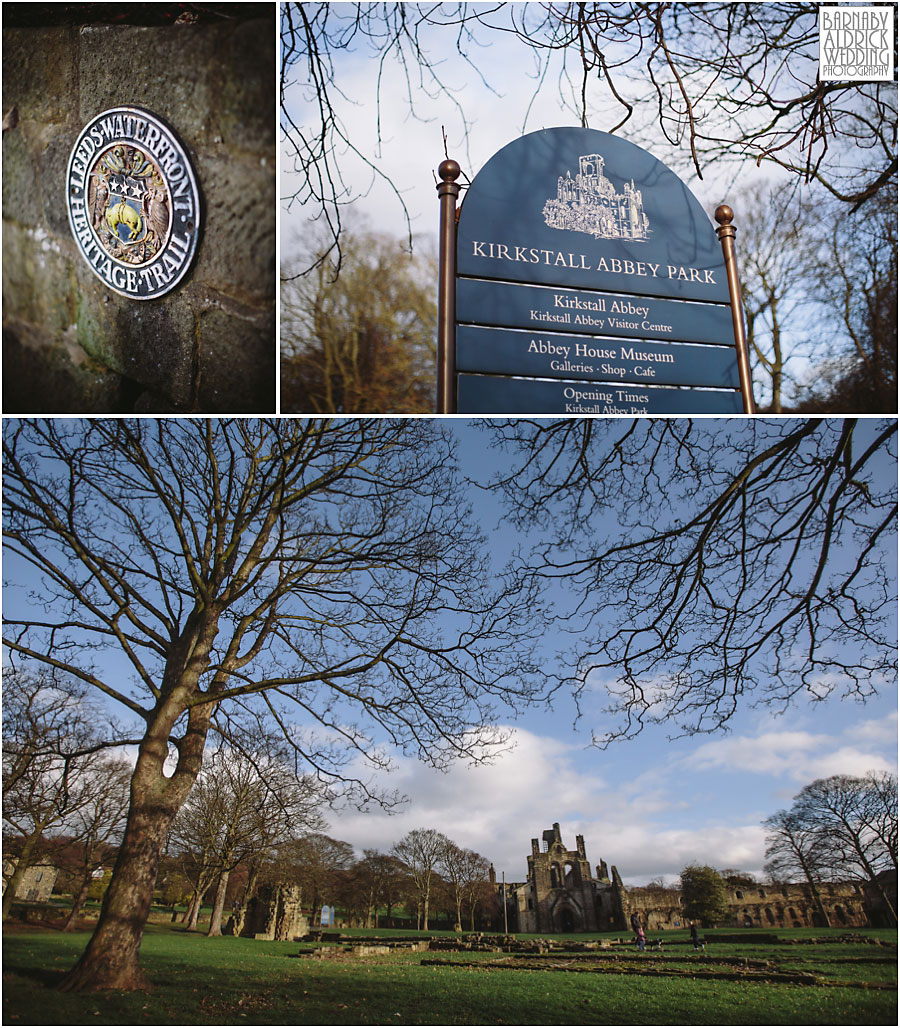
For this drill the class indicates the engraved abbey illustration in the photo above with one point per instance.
(589, 203)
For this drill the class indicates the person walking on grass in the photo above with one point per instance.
(695, 938)
(638, 930)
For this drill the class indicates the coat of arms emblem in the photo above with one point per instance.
(589, 203)
(133, 203)
(129, 204)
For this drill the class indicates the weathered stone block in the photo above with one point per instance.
(37, 273)
(150, 342)
(21, 174)
(39, 75)
(45, 374)
(237, 253)
(236, 357)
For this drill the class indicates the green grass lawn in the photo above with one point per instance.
(241, 981)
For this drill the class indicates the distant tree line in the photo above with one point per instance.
(249, 820)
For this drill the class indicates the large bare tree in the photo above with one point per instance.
(466, 873)
(421, 852)
(703, 564)
(378, 876)
(851, 815)
(326, 575)
(849, 826)
(855, 281)
(794, 853)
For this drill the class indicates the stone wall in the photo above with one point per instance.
(273, 914)
(759, 906)
(70, 344)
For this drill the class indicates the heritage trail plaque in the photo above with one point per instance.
(133, 203)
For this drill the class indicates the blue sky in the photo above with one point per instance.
(651, 805)
(648, 806)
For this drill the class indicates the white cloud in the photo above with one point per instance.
(798, 755)
(877, 730)
(496, 810)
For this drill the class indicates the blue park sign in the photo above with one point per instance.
(575, 231)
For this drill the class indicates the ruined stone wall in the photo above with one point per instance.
(658, 908)
(274, 914)
(71, 345)
(792, 906)
(561, 895)
(758, 906)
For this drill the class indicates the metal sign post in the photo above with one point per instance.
(726, 233)
(448, 191)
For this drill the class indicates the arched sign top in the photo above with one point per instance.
(582, 208)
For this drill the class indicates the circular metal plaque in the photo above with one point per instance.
(133, 203)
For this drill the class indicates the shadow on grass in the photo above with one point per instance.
(49, 979)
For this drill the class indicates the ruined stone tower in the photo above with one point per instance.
(561, 894)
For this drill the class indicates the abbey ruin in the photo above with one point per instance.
(560, 894)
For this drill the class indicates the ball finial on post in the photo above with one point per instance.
(449, 170)
(724, 214)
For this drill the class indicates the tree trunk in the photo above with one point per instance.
(215, 920)
(110, 960)
(240, 915)
(78, 905)
(193, 911)
(23, 863)
(819, 906)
